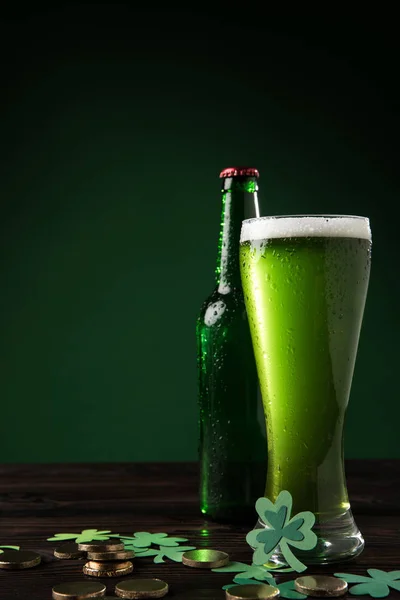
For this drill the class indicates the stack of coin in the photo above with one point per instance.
(260, 591)
(69, 551)
(107, 546)
(107, 559)
(19, 559)
(321, 586)
(205, 558)
(77, 590)
(141, 588)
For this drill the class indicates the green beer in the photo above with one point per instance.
(305, 282)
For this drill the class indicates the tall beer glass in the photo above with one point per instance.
(305, 281)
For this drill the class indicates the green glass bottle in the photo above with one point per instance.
(233, 448)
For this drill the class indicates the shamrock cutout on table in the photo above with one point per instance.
(87, 535)
(245, 571)
(143, 539)
(8, 548)
(239, 581)
(286, 589)
(376, 585)
(281, 530)
(130, 544)
(166, 552)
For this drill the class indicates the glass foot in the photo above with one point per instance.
(338, 539)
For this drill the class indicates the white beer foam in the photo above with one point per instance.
(263, 228)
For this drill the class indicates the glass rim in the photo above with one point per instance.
(305, 215)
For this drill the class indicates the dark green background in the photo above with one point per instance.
(114, 126)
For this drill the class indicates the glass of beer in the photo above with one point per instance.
(305, 280)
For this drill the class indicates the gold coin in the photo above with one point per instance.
(107, 546)
(68, 551)
(258, 591)
(141, 588)
(78, 590)
(117, 555)
(19, 559)
(205, 558)
(107, 569)
(321, 586)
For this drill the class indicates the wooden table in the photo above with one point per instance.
(37, 501)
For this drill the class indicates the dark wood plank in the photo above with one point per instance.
(37, 501)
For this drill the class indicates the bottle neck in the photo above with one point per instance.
(239, 201)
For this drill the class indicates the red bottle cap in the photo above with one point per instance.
(239, 172)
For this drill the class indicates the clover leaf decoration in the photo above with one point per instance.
(143, 539)
(130, 544)
(245, 571)
(87, 535)
(8, 548)
(162, 552)
(240, 581)
(281, 530)
(376, 585)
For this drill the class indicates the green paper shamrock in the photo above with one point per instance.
(167, 552)
(87, 535)
(245, 571)
(143, 539)
(281, 530)
(8, 548)
(376, 585)
(239, 581)
(129, 543)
